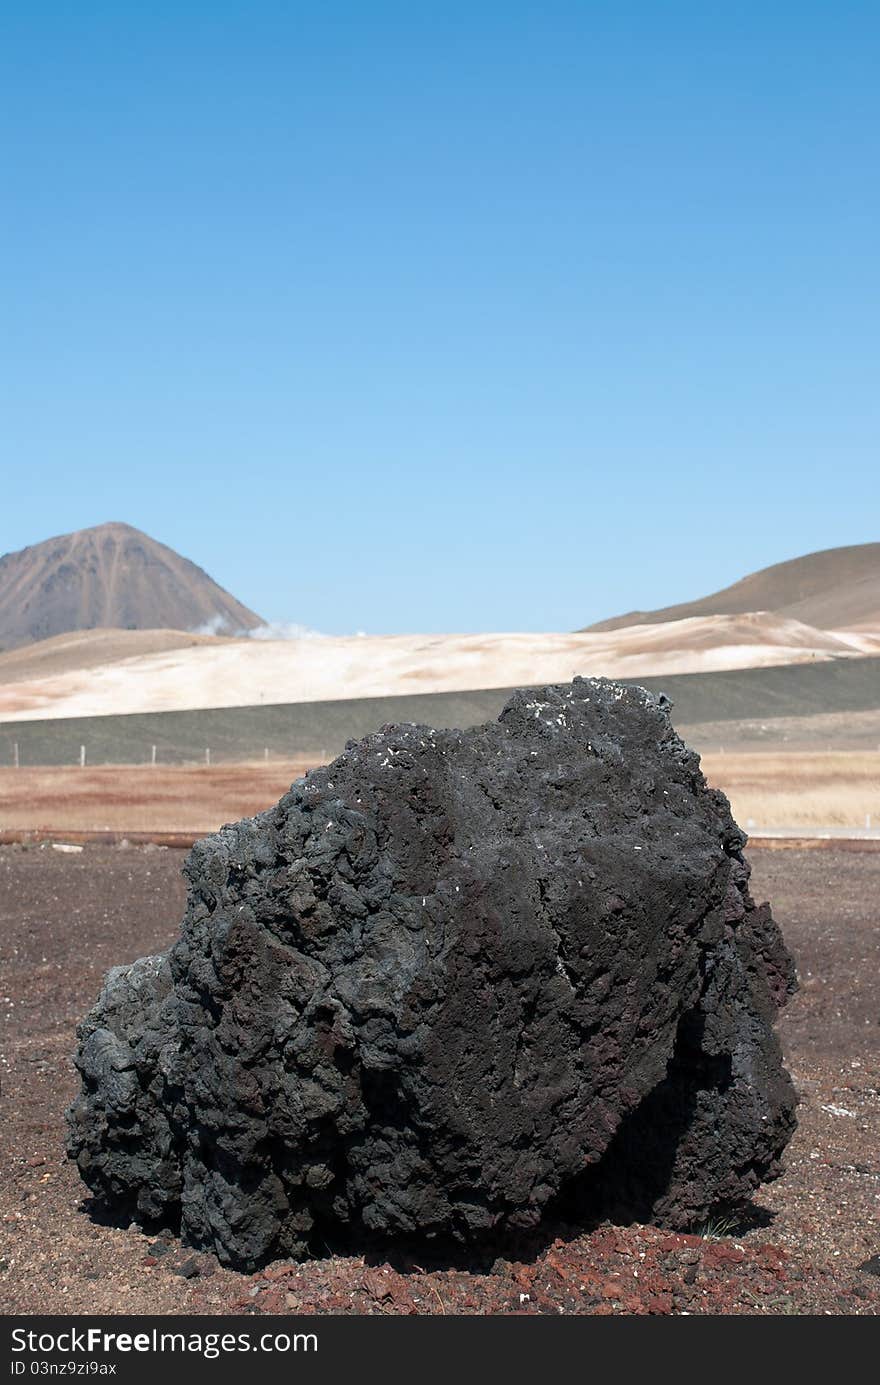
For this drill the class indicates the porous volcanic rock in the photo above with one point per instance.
(451, 982)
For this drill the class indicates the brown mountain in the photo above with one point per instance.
(836, 589)
(109, 576)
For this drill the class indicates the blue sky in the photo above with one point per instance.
(459, 316)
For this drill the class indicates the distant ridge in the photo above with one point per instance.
(835, 589)
(844, 687)
(110, 576)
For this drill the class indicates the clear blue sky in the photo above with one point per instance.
(443, 316)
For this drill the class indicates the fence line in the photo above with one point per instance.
(177, 757)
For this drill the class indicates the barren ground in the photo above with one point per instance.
(66, 918)
(135, 798)
(806, 789)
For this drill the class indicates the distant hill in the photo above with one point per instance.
(99, 672)
(81, 650)
(109, 576)
(794, 696)
(835, 589)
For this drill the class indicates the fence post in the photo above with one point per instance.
(266, 753)
(15, 754)
(207, 755)
(82, 757)
(153, 755)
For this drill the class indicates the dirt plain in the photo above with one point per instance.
(808, 789)
(125, 798)
(812, 1245)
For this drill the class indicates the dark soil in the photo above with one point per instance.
(65, 918)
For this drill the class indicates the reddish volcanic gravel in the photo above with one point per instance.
(811, 1247)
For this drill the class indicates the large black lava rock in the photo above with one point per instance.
(451, 982)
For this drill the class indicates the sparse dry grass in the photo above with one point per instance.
(799, 789)
(767, 790)
(139, 798)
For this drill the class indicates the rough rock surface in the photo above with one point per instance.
(450, 981)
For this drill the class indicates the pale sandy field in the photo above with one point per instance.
(96, 673)
(768, 791)
(833, 789)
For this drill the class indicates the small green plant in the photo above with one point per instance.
(716, 1228)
